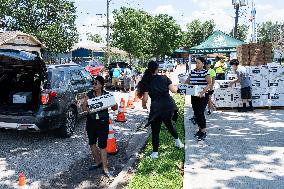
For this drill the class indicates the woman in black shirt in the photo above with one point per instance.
(97, 127)
(163, 107)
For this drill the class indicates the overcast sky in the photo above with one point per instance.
(184, 11)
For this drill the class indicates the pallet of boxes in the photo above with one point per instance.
(267, 79)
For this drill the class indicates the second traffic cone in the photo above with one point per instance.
(111, 141)
(130, 102)
(22, 179)
(120, 116)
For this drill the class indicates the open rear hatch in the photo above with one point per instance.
(21, 77)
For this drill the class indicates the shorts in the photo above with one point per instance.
(97, 132)
(210, 92)
(246, 93)
(115, 81)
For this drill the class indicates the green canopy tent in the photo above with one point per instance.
(218, 42)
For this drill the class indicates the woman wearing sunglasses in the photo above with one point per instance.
(97, 127)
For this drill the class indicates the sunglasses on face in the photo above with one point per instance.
(96, 83)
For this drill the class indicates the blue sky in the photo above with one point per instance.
(184, 11)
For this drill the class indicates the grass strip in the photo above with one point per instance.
(167, 170)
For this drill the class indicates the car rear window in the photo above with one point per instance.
(56, 79)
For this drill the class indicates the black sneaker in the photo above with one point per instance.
(93, 167)
(197, 133)
(202, 136)
(250, 109)
(209, 112)
(242, 110)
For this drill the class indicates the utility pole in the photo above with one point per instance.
(237, 4)
(107, 25)
(237, 7)
(253, 24)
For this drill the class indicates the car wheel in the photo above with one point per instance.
(68, 125)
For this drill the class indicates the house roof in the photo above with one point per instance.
(218, 42)
(6, 36)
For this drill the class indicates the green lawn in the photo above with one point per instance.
(164, 172)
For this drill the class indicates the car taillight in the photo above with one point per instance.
(46, 98)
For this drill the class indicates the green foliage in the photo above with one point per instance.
(51, 21)
(198, 32)
(130, 30)
(163, 172)
(142, 35)
(165, 35)
(94, 37)
(242, 32)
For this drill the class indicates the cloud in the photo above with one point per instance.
(275, 15)
(223, 20)
(210, 4)
(165, 9)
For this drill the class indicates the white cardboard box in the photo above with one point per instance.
(275, 102)
(101, 102)
(259, 103)
(22, 97)
(231, 76)
(193, 90)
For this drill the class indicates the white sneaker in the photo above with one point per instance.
(154, 155)
(179, 144)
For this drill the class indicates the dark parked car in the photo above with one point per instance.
(37, 97)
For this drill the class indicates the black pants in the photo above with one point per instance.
(156, 127)
(198, 106)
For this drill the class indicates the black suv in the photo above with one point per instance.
(38, 97)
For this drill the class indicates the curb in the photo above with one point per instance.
(121, 179)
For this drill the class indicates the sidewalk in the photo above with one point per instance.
(242, 150)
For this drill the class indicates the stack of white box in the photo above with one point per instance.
(267, 88)
(276, 86)
(225, 96)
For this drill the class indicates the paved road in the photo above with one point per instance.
(51, 162)
(242, 150)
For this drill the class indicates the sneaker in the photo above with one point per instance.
(202, 136)
(242, 110)
(197, 133)
(108, 174)
(154, 155)
(179, 144)
(209, 112)
(250, 109)
(93, 167)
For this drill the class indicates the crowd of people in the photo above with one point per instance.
(163, 108)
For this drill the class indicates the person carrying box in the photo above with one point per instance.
(245, 82)
(200, 76)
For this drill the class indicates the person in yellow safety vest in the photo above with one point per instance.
(220, 69)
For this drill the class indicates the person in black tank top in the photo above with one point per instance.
(97, 127)
(163, 107)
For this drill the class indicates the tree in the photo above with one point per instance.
(165, 35)
(51, 21)
(94, 37)
(198, 31)
(271, 32)
(242, 32)
(130, 32)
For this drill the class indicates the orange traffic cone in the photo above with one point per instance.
(120, 116)
(130, 102)
(111, 141)
(123, 105)
(22, 179)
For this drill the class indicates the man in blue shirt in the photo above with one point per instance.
(116, 77)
